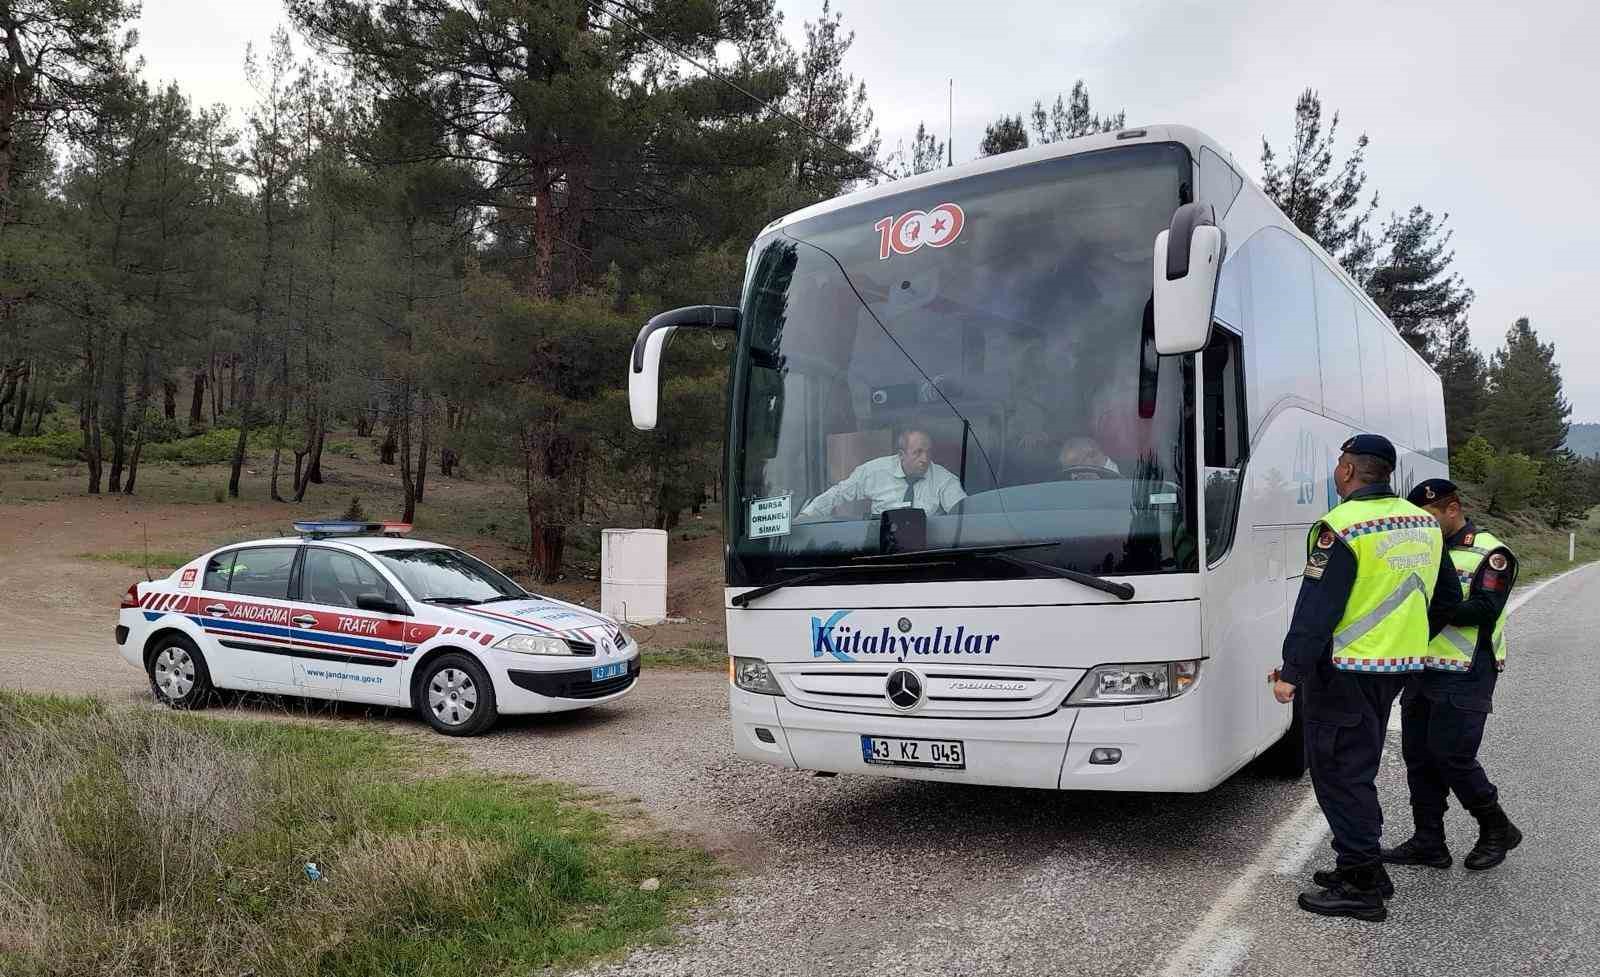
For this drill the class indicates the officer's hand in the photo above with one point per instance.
(1283, 692)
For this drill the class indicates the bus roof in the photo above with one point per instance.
(1192, 139)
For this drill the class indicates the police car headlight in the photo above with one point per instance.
(534, 644)
(1118, 684)
(753, 675)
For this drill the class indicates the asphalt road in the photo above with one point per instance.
(840, 876)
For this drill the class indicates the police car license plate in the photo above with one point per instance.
(892, 750)
(600, 673)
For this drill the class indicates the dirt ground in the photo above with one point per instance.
(59, 606)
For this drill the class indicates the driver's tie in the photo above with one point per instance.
(911, 489)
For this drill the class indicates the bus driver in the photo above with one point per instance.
(906, 478)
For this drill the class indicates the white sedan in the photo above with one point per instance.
(359, 613)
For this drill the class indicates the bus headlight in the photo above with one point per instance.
(753, 675)
(1107, 685)
(534, 644)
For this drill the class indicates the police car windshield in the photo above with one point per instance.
(981, 350)
(448, 576)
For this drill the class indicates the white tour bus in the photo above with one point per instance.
(1132, 374)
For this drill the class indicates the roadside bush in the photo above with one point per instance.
(215, 447)
(62, 445)
(136, 842)
(1511, 482)
(1471, 461)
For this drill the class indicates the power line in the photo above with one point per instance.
(769, 106)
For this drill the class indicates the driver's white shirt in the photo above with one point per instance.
(884, 482)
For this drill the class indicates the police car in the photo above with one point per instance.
(358, 612)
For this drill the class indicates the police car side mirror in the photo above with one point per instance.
(378, 603)
(644, 366)
(1188, 265)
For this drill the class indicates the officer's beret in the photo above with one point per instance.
(1432, 491)
(1375, 445)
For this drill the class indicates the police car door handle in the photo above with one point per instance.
(216, 608)
(304, 620)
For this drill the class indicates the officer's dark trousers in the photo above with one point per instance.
(1440, 741)
(1346, 715)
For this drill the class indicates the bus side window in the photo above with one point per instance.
(1225, 439)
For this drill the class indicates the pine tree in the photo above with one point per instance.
(927, 154)
(1525, 411)
(1323, 201)
(1463, 375)
(831, 101)
(1003, 135)
(1072, 118)
(1413, 284)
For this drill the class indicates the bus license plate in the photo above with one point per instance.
(602, 672)
(947, 754)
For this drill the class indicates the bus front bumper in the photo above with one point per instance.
(1162, 744)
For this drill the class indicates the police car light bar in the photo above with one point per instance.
(350, 527)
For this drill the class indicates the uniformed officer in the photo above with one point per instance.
(1443, 708)
(1378, 585)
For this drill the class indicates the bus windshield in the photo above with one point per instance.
(980, 350)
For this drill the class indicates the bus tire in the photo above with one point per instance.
(1287, 757)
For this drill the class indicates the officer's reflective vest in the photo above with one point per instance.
(1453, 648)
(1398, 548)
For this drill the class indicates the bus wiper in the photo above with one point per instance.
(829, 573)
(1000, 552)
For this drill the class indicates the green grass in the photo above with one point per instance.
(152, 842)
(157, 559)
(711, 655)
(1543, 552)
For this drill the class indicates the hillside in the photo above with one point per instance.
(1584, 440)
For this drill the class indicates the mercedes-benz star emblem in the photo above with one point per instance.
(904, 624)
(903, 689)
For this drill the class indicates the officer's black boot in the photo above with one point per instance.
(1425, 846)
(1496, 836)
(1355, 893)
(1327, 880)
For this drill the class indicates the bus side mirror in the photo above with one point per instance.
(1188, 265)
(644, 366)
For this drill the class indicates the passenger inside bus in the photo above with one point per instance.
(1083, 458)
(909, 477)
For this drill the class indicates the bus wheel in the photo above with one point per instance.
(1287, 757)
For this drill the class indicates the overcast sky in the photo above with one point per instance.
(1482, 110)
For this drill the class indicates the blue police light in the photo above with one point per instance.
(350, 527)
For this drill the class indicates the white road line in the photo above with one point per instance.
(1523, 598)
(1212, 942)
(1215, 949)
(1301, 847)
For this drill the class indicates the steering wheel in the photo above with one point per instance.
(1073, 473)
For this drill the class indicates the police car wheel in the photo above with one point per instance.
(178, 674)
(456, 696)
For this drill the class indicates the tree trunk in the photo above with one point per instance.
(197, 403)
(422, 452)
(314, 469)
(406, 483)
(89, 415)
(21, 412)
(169, 392)
(283, 413)
(141, 407)
(387, 449)
(41, 405)
(548, 543)
(119, 414)
(447, 462)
